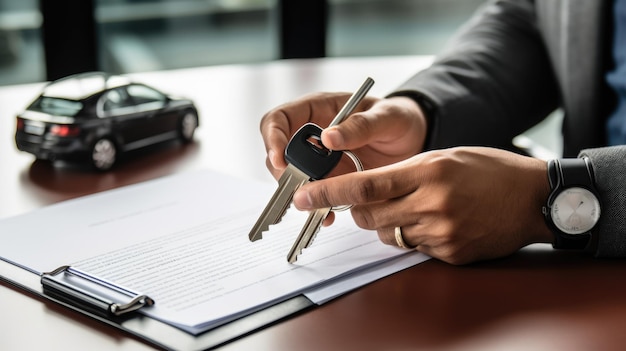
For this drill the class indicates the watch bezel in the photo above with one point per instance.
(591, 219)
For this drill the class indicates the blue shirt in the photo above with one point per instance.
(616, 124)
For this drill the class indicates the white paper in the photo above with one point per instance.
(183, 240)
(326, 292)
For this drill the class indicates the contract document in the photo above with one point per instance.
(183, 240)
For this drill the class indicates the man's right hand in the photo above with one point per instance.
(380, 131)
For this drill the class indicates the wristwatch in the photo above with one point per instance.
(573, 207)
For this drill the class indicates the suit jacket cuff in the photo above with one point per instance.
(609, 164)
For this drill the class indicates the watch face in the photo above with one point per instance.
(575, 210)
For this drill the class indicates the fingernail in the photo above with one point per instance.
(302, 200)
(335, 138)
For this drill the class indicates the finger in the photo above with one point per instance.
(276, 134)
(275, 171)
(415, 237)
(388, 236)
(356, 188)
(329, 220)
(384, 214)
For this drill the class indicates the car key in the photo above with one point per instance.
(307, 160)
(315, 220)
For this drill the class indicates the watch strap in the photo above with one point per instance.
(575, 172)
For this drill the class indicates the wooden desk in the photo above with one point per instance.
(536, 299)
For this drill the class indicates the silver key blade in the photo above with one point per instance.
(288, 183)
(307, 234)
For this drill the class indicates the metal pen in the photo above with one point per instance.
(352, 102)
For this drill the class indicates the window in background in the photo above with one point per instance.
(148, 35)
(394, 27)
(21, 50)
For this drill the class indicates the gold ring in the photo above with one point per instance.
(400, 240)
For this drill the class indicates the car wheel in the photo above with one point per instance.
(103, 154)
(188, 125)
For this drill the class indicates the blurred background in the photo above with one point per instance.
(47, 39)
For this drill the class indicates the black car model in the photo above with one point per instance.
(95, 116)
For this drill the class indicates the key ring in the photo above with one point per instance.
(359, 168)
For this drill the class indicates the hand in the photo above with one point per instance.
(380, 132)
(459, 205)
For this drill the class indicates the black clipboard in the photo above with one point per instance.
(103, 308)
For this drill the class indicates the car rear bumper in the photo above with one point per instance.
(65, 149)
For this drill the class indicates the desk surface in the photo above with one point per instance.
(536, 299)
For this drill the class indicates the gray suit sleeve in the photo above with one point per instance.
(609, 165)
(493, 81)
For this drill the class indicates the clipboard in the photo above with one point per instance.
(100, 307)
(120, 307)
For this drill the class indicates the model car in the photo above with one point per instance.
(96, 116)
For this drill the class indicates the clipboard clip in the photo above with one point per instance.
(91, 293)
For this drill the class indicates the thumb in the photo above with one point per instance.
(355, 132)
(387, 121)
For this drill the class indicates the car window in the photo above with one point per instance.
(56, 106)
(142, 94)
(115, 101)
